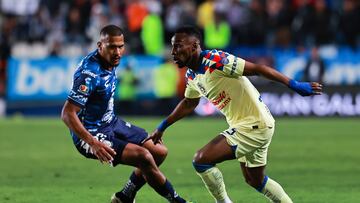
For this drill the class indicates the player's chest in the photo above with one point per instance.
(215, 89)
(205, 84)
(106, 85)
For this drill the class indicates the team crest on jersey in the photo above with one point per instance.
(225, 60)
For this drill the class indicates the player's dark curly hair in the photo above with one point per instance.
(190, 30)
(111, 30)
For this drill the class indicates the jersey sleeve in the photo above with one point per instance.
(233, 66)
(190, 90)
(83, 85)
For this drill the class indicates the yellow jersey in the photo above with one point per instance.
(220, 79)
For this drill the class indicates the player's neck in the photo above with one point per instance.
(195, 62)
(104, 64)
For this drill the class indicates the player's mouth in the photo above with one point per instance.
(116, 60)
(176, 60)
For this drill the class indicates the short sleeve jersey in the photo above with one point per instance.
(220, 79)
(93, 91)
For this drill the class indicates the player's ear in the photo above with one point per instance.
(98, 44)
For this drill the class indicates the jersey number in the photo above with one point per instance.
(231, 131)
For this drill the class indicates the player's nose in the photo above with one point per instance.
(173, 52)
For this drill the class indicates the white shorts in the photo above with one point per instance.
(251, 144)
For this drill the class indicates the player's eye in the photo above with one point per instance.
(178, 46)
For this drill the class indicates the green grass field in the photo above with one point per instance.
(315, 160)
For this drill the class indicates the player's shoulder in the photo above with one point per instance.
(213, 60)
(90, 65)
(215, 55)
(190, 74)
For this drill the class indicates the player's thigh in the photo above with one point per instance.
(216, 151)
(250, 145)
(128, 132)
(137, 156)
(105, 136)
(256, 158)
(159, 151)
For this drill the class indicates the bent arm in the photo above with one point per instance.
(265, 71)
(302, 88)
(70, 118)
(184, 108)
(69, 115)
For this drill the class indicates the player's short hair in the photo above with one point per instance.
(190, 30)
(111, 30)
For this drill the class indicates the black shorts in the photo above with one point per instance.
(117, 135)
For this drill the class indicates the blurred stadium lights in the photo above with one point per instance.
(20, 7)
(2, 107)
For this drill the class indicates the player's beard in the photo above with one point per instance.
(180, 64)
(115, 61)
(183, 63)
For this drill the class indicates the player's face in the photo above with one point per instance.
(182, 49)
(111, 48)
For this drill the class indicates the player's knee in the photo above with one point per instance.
(144, 158)
(200, 168)
(199, 157)
(160, 153)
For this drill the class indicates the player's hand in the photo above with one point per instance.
(316, 87)
(156, 136)
(306, 88)
(102, 151)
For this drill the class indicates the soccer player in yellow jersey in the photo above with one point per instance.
(221, 78)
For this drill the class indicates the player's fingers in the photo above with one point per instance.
(105, 148)
(99, 157)
(110, 150)
(156, 140)
(147, 139)
(108, 157)
(316, 85)
(317, 88)
(104, 156)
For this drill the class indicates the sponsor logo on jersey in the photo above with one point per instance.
(87, 72)
(222, 100)
(233, 67)
(78, 97)
(202, 88)
(84, 89)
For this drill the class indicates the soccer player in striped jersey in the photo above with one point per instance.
(221, 78)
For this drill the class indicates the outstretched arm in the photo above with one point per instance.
(302, 88)
(184, 108)
(69, 115)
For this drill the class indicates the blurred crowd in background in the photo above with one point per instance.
(149, 24)
(70, 28)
